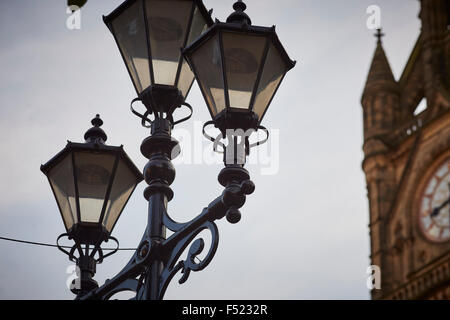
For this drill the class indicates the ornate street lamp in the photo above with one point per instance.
(239, 67)
(150, 35)
(92, 183)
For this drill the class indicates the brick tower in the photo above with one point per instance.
(407, 163)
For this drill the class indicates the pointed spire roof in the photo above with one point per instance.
(380, 71)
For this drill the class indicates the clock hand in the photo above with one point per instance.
(437, 210)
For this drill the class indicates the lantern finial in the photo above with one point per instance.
(239, 16)
(96, 133)
(239, 5)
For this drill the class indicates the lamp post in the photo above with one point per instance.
(239, 68)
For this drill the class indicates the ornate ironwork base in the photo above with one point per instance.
(157, 259)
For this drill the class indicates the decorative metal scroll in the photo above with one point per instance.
(133, 275)
(173, 264)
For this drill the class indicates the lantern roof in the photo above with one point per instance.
(245, 29)
(126, 4)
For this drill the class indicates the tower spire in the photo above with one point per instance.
(379, 35)
(380, 70)
(380, 96)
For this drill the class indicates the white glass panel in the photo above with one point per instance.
(274, 70)
(186, 79)
(198, 26)
(129, 30)
(168, 22)
(243, 55)
(62, 183)
(94, 173)
(207, 63)
(123, 185)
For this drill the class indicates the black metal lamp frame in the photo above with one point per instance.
(86, 232)
(89, 234)
(153, 86)
(239, 22)
(157, 258)
(237, 123)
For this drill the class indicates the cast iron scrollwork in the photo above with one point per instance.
(87, 251)
(168, 251)
(130, 277)
(86, 261)
(196, 247)
(157, 259)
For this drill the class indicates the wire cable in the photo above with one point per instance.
(54, 245)
(66, 247)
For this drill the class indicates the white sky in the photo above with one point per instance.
(303, 233)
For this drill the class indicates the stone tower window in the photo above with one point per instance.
(421, 106)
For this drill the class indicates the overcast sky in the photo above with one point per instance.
(303, 233)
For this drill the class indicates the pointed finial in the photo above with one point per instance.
(97, 122)
(379, 35)
(239, 5)
(96, 133)
(239, 16)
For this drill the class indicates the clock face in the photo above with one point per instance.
(434, 213)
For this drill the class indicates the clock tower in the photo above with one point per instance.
(407, 163)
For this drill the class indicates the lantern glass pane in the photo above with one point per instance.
(274, 70)
(94, 172)
(168, 21)
(62, 183)
(243, 54)
(207, 63)
(124, 183)
(130, 33)
(186, 79)
(198, 26)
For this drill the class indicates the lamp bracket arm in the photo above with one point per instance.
(210, 213)
(184, 235)
(126, 280)
(116, 284)
(129, 284)
(172, 263)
